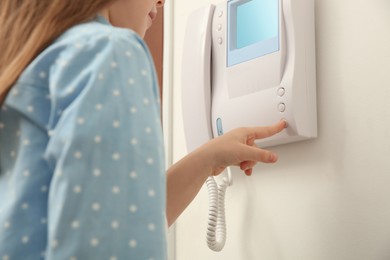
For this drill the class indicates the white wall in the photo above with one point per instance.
(327, 198)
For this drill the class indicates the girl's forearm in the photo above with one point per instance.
(184, 180)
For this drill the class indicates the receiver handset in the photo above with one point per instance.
(196, 98)
(196, 82)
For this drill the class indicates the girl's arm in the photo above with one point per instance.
(237, 147)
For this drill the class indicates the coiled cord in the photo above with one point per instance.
(216, 227)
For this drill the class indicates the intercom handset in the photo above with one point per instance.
(250, 63)
(196, 100)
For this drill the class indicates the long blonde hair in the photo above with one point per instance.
(27, 27)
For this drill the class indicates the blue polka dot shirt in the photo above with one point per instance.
(82, 172)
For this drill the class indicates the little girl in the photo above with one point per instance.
(82, 172)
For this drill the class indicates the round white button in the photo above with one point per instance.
(281, 107)
(220, 13)
(220, 40)
(281, 92)
(219, 27)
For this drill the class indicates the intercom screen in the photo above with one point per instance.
(257, 21)
(253, 29)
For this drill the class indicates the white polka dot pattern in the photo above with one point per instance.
(84, 166)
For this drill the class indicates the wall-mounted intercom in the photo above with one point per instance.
(250, 63)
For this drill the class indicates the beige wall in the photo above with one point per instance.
(326, 199)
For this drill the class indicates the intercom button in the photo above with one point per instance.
(281, 107)
(281, 91)
(220, 40)
(219, 27)
(219, 126)
(220, 13)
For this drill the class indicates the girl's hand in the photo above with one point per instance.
(238, 147)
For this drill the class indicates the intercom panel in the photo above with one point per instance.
(250, 63)
(247, 63)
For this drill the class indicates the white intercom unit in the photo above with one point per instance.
(250, 63)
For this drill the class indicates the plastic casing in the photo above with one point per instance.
(249, 94)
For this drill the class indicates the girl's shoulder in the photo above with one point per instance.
(82, 46)
(96, 36)
(97, 31)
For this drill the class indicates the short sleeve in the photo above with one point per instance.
(107, 194)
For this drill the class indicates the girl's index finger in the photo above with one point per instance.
(267, 131)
